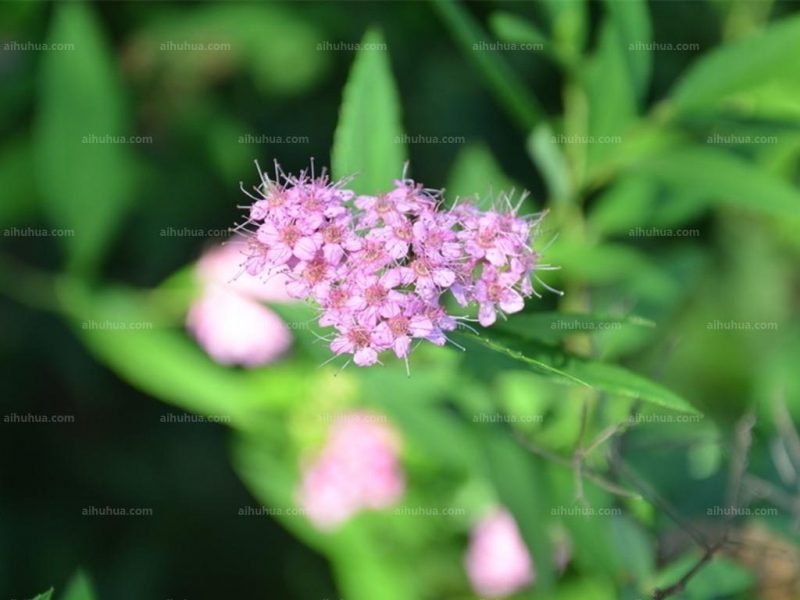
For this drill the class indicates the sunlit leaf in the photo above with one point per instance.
(723, 179)
(632, 19)
(740, 65)
(549, 157)
(515, 29)
(369, 138)
(611, 94)
(79, 588)
(568, 26)
(122, 330)
(623, 206)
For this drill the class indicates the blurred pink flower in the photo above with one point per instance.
(227, 319)
(497, 561)
(357, 469)
(235, 330)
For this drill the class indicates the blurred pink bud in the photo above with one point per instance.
(562, 553)
(224, 265)
(358, 469)
(497, 561)
(235, 330)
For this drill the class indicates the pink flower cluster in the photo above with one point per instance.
(357, 469)
(379, 266)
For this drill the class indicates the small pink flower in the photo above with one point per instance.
(397, 332)
(497, 561)
(338, 239)
(311, 278)
(494, 289)
(360, 341)
(286, 240)
(374, 296)
(430, 279)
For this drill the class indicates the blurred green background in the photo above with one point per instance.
(663, 137)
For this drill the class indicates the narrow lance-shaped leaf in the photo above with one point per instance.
(568, 26)
(84, 164)
(369, 137)
(632, 19)
(549, 157)
(611, 93)
(722, 178)
(566, 368)
(742, 65)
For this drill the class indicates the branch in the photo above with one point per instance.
(680, 585)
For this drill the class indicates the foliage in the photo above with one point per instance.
(627, 396)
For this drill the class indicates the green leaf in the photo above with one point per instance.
(79, 588)
(469, 340)
(86, 185)
(625, 205)
(501, 80)
(548, 156)
(272, 479)
(128, 334)
(600, 263)
(44, 595)
(515, 29)
(554, 327)
(568, 26)
(566, 368)
(20, 198)
(369, 138)
(592, 534)
(747, 63)
(587, 588)
(475, 172)
(720, 178)
(365, 569)
(634, 549)
(611, 93)
(632, 20)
